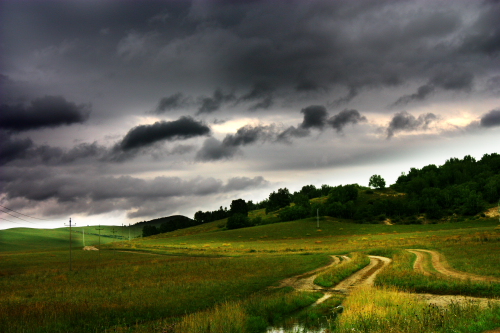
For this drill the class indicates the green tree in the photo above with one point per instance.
(238, 221)
(239, 206)
(149, 230)
(377, 181)
(278, 200)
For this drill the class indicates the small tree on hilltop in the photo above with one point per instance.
(239, 206)
(377, 181)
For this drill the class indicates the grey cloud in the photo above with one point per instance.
(403, 121)
(353, 92)
(345, 117)
(484, 36)
(214, 103)
(453, 80)
(173, 102)
(420, 95)
(241, 183)
(292, 131)
(213, 149)
(447, 80)
(146, 135)
(44, 112)
(314, 116)
(111, 193)
(491, 119)
(23, 152)
(247, 135)
(262, 92)
(11, 148)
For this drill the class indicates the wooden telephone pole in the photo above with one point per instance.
(99, 255)
(70, 225)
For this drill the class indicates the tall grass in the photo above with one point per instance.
(128, 288)
(342, 271)
(390, 310)
(248, 316)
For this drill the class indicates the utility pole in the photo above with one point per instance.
(69, 242)
(114, 231)
(83, 234)
(129, 232)
(317, 217)
(99, 255)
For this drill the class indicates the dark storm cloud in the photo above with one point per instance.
(405, 122)
(484, 36)
(48, 111)
(11, 148)
(146, 135)
(214, 103)
(353, 92)
(247, 135)
(173, 102)
(491, 119)
(262, 92)
(420, 95)
(449, 80)
(292, 132)
(110, 193)
(314, 116)
(345, 117)
(213, 149)
(23, 152)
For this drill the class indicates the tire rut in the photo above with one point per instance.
(440, 265)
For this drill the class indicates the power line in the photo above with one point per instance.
(3, 218)
(16, 216)
(33, 217)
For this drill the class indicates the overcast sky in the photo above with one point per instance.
(122, 111)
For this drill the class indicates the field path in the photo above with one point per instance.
(305, 282)
(440, 265)
(365, 276)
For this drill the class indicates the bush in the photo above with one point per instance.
(238, 221)
(293, 213)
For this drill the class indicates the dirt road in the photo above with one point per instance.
(438, 263)
(365, 276)
(441, 266)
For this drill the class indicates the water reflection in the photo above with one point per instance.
(302, 325)
(297, 328)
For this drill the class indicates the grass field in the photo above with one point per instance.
(174, 280)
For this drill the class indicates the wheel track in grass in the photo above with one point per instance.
(365, 276)
(441, 267)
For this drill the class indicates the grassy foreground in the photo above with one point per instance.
(182, 279)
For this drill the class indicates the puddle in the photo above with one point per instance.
(298, 328)
(315, 319)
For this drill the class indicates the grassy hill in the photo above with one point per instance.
(31, 239)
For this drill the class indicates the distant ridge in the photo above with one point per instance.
(169, 223)
(167, 219)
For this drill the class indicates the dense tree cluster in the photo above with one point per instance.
(166, 224)
(458, 187)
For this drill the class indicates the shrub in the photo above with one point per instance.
(238, 221)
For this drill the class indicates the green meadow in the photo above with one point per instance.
(177, 281)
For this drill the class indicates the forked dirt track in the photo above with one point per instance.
(365, 276)
(441, 266)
